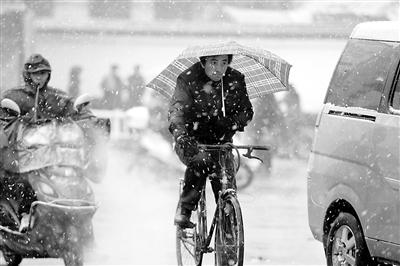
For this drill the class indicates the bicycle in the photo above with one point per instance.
(193, 243)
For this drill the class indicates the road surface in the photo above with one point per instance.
(134, 224)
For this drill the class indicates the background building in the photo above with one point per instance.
(97, 33)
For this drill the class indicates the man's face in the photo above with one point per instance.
(216, 66)
(39, 78)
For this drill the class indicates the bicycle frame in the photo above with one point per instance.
(224, 151)
(227, 222)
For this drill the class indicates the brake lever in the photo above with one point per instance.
(250, 156)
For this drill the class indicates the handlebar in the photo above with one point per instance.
(231, 146)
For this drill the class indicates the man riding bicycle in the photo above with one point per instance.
(210, 103)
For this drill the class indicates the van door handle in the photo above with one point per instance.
(353, 115)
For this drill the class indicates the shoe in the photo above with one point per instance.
(182, 218)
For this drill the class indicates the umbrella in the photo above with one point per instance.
(264, 71)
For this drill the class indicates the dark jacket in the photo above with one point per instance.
(196, 106)
(52, 102)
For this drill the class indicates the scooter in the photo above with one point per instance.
(53, 156)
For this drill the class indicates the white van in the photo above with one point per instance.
(354, 165)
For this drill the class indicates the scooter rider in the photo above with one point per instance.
(36, 100)
(51, 102)
(209, 104)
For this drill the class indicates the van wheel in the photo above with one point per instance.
(346, 245)
(10, 258)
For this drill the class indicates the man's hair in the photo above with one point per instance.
(203, 58)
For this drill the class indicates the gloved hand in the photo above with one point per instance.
(227, 123)
(188, 144)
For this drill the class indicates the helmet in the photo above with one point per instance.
(36, 63)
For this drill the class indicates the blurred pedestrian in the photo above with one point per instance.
(158, 109)
(267, 125)
(291, 101)
(292, 111)
(75, 81)
(136, 85)
(112, 87)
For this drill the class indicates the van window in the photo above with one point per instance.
(395, 101)
(360, 75)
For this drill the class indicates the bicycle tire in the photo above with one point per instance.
(229, 236)
(189, 241)
(186, 247)
(202, 219)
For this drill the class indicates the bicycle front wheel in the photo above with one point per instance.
(189, 243)
(229, 237)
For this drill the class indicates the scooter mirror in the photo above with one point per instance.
(82, 101)
(10, 104)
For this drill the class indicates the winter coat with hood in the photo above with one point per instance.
(196, 106)
(52, 102)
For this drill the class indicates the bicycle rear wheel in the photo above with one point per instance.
(187, 250)
(189, 241)
(229, 237)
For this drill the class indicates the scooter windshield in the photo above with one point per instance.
(64, 134)
(49, 144)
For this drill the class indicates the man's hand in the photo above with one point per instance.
(227, 123)
(188, 144)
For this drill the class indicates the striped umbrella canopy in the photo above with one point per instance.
(264, 71)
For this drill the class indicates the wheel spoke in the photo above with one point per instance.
(233, 231)
(186, 242)
(337, 243)
(351, 242)
(190, 241)
(345, 232)
(189, 250)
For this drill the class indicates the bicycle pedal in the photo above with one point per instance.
(185, 233)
